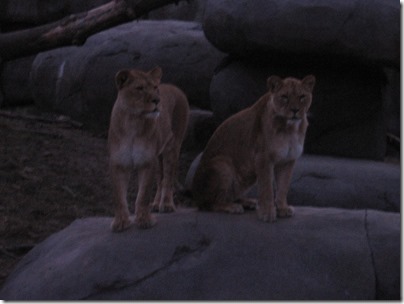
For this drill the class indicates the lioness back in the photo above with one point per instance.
(177, 109)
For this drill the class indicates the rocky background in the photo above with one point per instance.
(344, 241)
(221, 53)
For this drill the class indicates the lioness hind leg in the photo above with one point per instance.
(224, 201)
(228, 208)
(217, 188)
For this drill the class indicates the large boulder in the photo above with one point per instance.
(79, 81)
(320, 254)
(321, 181)
(346, 117)
(362, 29)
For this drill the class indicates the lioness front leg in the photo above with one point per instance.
(120, 178)
(283, 175)
(143, 216)
(265, 177)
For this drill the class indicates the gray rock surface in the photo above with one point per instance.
(347, 114)
(79, 81)
(346, 183)
(319, 254)
(322, 181)
(366, 30)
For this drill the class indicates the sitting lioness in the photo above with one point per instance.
(147, 126)
(259, 144)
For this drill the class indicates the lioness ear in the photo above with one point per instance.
(156, 73)
(274, 83)
(309, 82)
(121, 78)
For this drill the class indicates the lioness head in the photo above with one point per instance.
(139, 92)
(291, 98)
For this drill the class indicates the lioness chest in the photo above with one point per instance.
(286, 146)
(136, 152)
(142, 153)
(287, 149)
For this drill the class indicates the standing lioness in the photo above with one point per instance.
(148, 123)
(259, 144)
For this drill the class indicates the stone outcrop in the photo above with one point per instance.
(320, 254)
(365, 30)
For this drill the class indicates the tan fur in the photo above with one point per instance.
(148, 124)
(259, 144)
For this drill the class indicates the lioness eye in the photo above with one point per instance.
(139, 88)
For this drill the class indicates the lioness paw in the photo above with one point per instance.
(163, 208)
(155, 208)
(120, 224)
(229, 208)
(267, 215)
(145, 222)
(166, 208)
(285, 212)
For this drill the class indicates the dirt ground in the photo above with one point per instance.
(51, 173)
